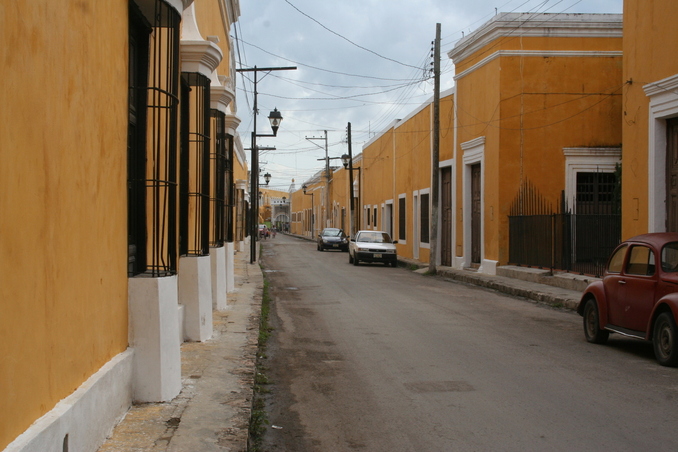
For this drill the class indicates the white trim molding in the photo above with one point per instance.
(663, 96)
(538, 25)
(424, 191)
(587, 160)
(474, 153)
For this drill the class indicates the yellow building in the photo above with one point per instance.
(111, 208)
(538, 102)
(306, 206)
(274, 207)
(396, 174)
(650, 130)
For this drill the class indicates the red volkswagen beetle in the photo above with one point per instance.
(637, 296)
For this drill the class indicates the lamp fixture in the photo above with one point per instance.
(345, 159)
(267, 178)
(275, 119)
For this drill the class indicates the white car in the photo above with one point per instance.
(372, 246)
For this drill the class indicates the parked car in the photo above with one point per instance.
(637, 296)
(332, 239)
(372, 246)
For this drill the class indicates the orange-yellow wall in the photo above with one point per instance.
(377, 168)
(413, 172)
(529, 108)
(399, 162)
(210, 23)
(650, 34)
(63, 247)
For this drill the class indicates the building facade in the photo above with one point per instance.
(124, 166)
(538, 101)
(650, 130)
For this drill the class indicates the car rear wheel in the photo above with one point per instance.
(664, 340)
(592, 329)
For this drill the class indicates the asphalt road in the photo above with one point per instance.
(375, 358)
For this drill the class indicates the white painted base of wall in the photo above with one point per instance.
(242, 245)
(195, 293)
(87, 416)
(154, 334)
(230, 266)
(459, 262)
(180, 323)
(488, 267)
(218, 266)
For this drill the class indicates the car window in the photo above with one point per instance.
(641, 261)
(617, 260)
(374, 237)
(670, 257)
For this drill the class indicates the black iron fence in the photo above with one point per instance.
(577, 243)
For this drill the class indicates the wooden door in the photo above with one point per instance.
(446, 217)
(475, 214)
(672, 175)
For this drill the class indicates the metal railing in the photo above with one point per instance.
(578, 243)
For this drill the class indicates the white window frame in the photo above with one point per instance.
(586, 160)
(424, 191)
(663, 96)
(402, 241)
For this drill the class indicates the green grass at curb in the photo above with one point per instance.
(258, 419)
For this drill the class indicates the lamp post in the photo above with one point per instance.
(286, 215)
(304, 188)
(274, 118)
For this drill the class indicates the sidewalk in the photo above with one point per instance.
(212, 411)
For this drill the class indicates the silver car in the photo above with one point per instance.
(372, 246)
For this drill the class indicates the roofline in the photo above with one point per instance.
(538, 25)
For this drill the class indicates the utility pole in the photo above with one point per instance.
(435, 161)
(254, 171)
(350, 183)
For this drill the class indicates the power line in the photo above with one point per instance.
(348, 40)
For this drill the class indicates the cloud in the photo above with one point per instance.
(355, 85)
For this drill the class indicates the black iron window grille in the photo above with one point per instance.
(152, 138)
(218, 180)
(229, 186)
(194, 169)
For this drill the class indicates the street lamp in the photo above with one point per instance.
(267, 178)
(304, 188)
(275, 118)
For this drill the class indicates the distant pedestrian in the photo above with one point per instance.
(273, 232)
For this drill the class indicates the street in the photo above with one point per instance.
(376, 358)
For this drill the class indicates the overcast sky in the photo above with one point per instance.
(365, 62)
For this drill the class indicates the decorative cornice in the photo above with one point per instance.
(541, 54)
(220, 98)
(465, 146)
(538, 25)
(232, 123)
(591, 152)
(202, 57)
(661, 86)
